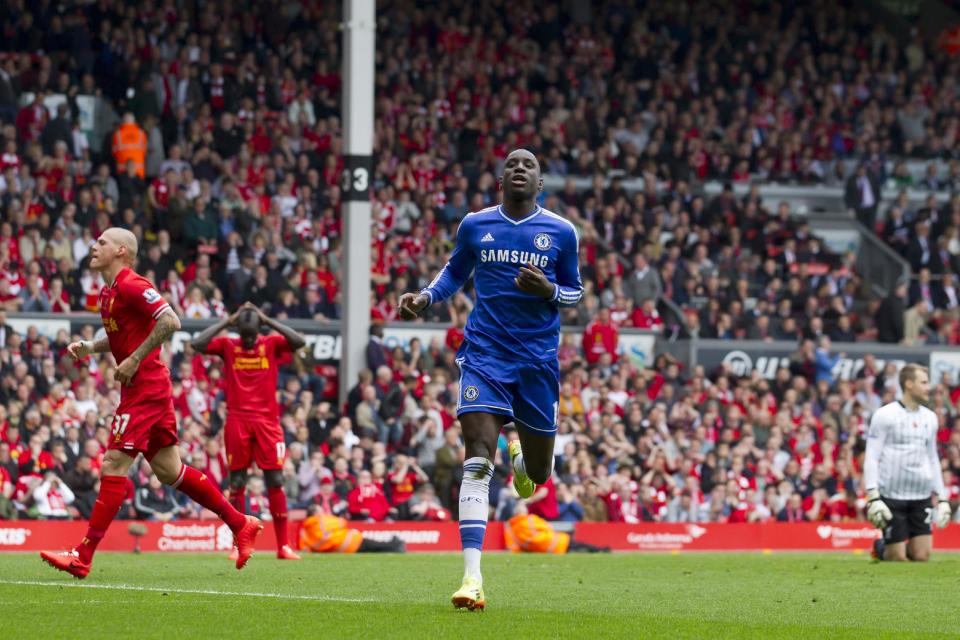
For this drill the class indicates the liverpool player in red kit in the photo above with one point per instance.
(138, 321)
(253, 429)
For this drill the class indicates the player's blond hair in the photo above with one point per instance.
(909, 372)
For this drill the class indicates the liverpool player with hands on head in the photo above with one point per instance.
(901, 471)
(138, 321)
(253, 429)
(524, 264)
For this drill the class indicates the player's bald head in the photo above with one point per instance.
(123, 238)
(525, 154)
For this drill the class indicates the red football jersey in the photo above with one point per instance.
(129, 309)
(371, 498)
(546, 507)
(251, 374)
(402, 487)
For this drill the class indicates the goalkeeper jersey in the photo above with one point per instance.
(901, 459)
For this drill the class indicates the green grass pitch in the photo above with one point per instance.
(391, 596)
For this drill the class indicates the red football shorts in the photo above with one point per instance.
(143, 425)
(253, 438)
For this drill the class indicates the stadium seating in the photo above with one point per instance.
(229, 174)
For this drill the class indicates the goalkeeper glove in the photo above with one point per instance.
(943, 514)
(878, 513)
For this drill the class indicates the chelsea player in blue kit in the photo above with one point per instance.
(524, 264)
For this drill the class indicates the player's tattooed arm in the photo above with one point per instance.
(100, 346)
(167, 323)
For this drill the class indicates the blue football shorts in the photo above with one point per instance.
(528, 392)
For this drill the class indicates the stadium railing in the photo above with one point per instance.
(881, 267)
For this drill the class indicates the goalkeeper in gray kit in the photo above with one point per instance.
(902, 472)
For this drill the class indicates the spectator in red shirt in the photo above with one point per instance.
(404, 478)
(817, 505)
(11, 436)
(32, 119)
(454, 337)
(601, 336)
(647, 316)
(367, 502)
(329, 501)
(842, 507)
(543, 502)
(7, 510)
(35, 460)
(160, 191)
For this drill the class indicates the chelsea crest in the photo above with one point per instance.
(541, 241)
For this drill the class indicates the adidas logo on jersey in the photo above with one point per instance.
(487, 238)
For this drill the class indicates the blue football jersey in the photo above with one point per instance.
(506, 321)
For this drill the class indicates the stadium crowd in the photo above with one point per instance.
(226, 163)
(634, 444)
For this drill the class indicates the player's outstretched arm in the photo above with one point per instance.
(82, 348)
(167, 323)
(202, 340)
(294, 339)
(450, 279)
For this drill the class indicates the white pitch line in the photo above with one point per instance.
(206, 592)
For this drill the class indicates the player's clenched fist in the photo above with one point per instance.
(127, 369)
(530, 279)
(411, 304)
(80, 349)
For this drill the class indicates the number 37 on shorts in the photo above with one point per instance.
(120, 423)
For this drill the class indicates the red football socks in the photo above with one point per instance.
(278, 509)
(113, 491)
(202, 491)
(238, 498)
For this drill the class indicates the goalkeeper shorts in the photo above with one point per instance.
(910, 518)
